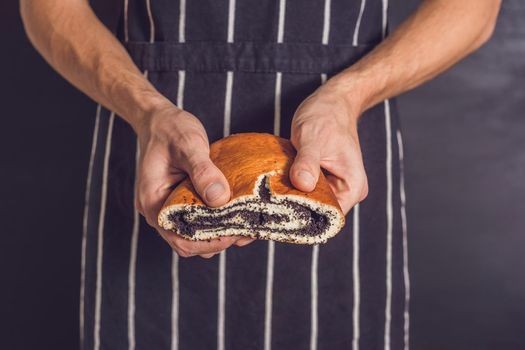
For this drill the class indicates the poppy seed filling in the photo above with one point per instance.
(261, 212)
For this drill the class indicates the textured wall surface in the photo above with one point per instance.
(465, 140)
(44, 148)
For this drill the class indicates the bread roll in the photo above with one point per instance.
(264, 204)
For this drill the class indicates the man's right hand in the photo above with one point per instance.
(174, 144)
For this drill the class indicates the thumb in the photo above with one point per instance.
(209, 182)
(305, 169)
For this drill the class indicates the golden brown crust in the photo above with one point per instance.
(243, 158)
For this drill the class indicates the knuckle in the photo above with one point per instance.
(179, 249)
(138, 206)
(200, 168)
(310, 150)
(365, 191)
(187, 140)
(182, 253)
(192, 137)
(183, 249)
(364, 194)
(150, 221)
(308, 159)
(141, 199)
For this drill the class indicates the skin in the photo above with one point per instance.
(173, 142)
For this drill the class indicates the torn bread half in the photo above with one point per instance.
(264, 204)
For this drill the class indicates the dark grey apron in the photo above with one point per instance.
(243, 66)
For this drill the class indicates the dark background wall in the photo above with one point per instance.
(465, 153)
(465, 138)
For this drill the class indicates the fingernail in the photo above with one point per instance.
(244, 241)
(306, 177)
(214, 191)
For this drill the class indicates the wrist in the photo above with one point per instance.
(356, 89)
(130, 95)
(145, 110)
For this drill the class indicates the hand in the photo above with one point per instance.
(324, 132)
(173, 144)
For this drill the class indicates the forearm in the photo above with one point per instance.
(436, 36)
(75, 43)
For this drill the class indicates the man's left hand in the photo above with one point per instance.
(324, 132)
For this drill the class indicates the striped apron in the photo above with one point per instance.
(243, 66)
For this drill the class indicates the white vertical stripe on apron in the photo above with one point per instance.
(356, 280)
(175, 301)
(100, 241)
(222, 256)
(231, 20)
(221, 302)
(269, 296)
(226, 131)
(174, 255)
(389, 216)
(389, 209)
(326, 22)
(315, 257)
(406, 276)
(280, 28)
(358, 23)
(180, 89)
(126, 29)
(314, 295)
(384, 16)
(277, 104)
(85, 224)
(227, 104)
(136, 218)
(182, 21)
(133, 261)
(271, 244)
(151, 22)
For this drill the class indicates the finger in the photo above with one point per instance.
(191, 248)
(207, 256)
(304, 172)
(243, 241)
(209, 182)
(154, 182)
(341, 191)
(348, 191)
(348, 181)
